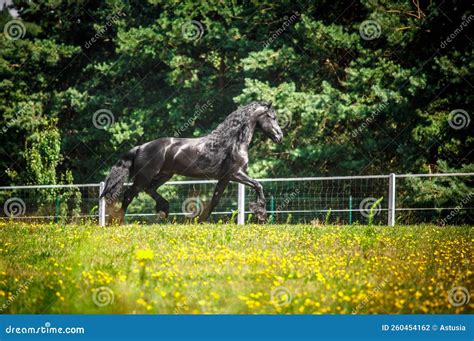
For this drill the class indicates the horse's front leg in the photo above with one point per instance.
(259, 207)
(220, 188)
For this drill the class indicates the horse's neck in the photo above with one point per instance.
(246, 136)
(240, 141)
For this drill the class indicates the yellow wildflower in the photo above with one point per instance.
(144, 255)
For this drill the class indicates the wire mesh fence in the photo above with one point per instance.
(337, 200)
(56, 203)
(436, 198)
(443, 199)
(187, 201)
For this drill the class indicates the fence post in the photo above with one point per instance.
(272, 209)
(101, 205)
(391, 200)
(350, 209)
(58, 208)
(241, 204)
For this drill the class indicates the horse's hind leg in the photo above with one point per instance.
(162, 205)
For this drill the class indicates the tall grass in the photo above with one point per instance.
(232, 269)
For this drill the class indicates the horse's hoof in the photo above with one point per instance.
(259, 210)
(162, 215)
(262, 217)
(116, 216)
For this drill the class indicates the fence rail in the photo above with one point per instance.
(387, 199)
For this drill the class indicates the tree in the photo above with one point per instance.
(364, 88)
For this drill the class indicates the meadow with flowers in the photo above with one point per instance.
(208, 269)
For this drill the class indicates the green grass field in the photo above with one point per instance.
(234, 269)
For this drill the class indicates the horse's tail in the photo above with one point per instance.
(118, 175)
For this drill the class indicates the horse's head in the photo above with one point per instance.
(267, 122)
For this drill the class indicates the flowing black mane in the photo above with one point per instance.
(234, 129)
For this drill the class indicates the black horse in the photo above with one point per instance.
(221, 155)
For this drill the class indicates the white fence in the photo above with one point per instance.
(381, 199)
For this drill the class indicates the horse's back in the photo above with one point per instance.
(170, 155)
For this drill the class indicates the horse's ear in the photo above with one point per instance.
(269, 105)
(260, 110)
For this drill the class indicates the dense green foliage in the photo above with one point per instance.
(352, 105)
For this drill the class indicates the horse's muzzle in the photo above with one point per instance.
(277, 138)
